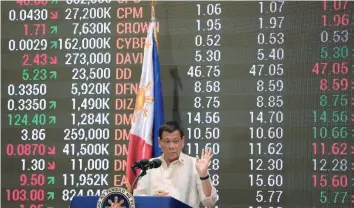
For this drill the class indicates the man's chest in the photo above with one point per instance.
(174, 176)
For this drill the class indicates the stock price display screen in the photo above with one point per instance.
(267, 85)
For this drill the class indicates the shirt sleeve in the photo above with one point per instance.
(142, 186)
(207, 201)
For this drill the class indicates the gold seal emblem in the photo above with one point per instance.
(116, 197)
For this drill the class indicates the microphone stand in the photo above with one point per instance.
(142, 173)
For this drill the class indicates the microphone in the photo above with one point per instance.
(155, 163)
(140, 164)
(144, 165)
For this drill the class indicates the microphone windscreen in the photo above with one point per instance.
(144, 161)
(140, 163)
(157, 163)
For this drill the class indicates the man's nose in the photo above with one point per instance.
(171, 145)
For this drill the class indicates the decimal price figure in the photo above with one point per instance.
(334, 182)
(33, 179)
(20, 195)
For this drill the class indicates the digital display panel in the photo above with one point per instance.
(267, 85)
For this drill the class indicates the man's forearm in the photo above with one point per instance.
(206, 187)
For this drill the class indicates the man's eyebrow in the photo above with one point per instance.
(170, 138)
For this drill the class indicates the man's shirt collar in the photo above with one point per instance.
(182, 159)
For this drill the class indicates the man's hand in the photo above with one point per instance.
(161, 193)
(203, 162)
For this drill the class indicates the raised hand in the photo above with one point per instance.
(203, 162)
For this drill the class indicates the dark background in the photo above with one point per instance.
(240, 26)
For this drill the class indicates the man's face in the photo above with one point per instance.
(171, 145)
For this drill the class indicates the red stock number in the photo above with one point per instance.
(32, 179)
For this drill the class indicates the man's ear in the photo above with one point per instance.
(159, 142)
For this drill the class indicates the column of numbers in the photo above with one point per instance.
(28, 106)
(330, 131)
(205, 74)
(266, 130)
(88, 136)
